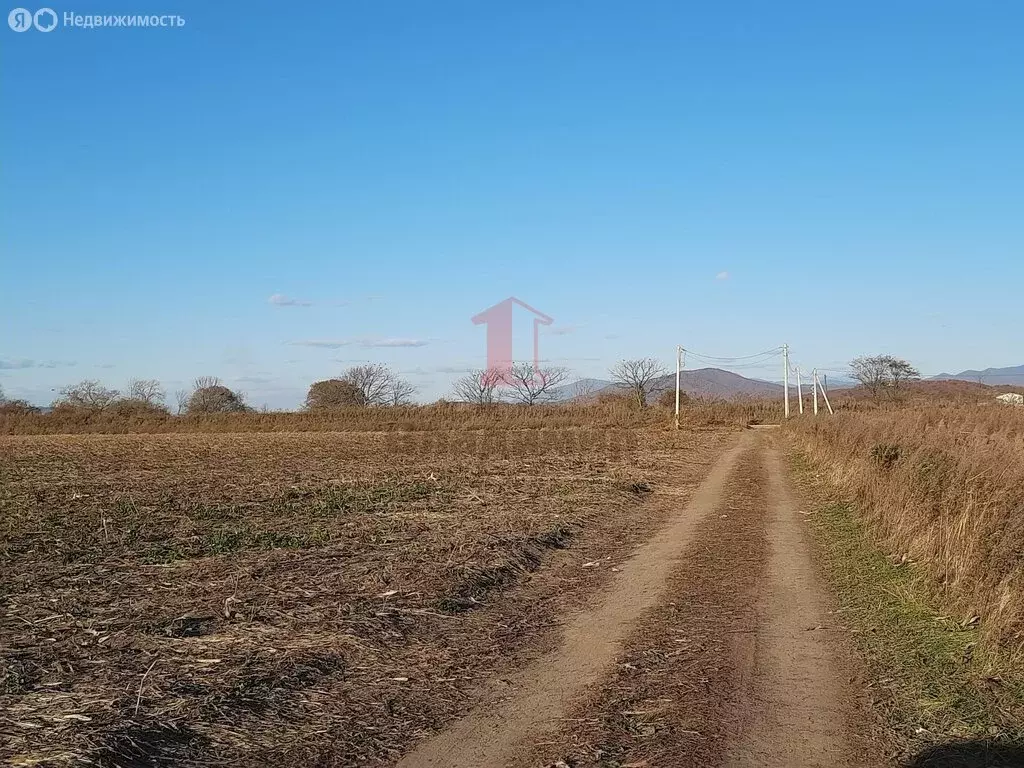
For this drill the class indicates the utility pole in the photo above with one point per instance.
(799, 391)
(679, 365)
(814, 383)
(785, 374)
(824, 393)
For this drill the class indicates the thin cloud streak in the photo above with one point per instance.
(280, 300)
(370, 342)
(20, 365)
(320, 344)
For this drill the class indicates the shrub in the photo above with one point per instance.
(88, 394)
(616, 397)
(215, 398)
(16, 407)
(334, 393)
(130, 407)
(667, 399)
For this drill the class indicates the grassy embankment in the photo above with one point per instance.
(920, 516)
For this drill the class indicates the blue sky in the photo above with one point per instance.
(847, 178)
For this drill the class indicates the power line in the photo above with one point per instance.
(711, 358)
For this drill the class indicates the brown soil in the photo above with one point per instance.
(340, 600)
(525, 705)
(675, 685)
(712, 647)
(801, 710)
(300, 599)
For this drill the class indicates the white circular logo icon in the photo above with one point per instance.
(45, 20)
(20, 20)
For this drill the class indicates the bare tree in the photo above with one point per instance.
(532, 386)
(3, 399)
(379, 384)
(148, 391)
(181, 398)
(900, 372)
(637, 376)
(201, 382)
(479, 387)
(870, 372)
(87, 393)
(883, 373)
(334, 393)
(400, 392)
(372, 379)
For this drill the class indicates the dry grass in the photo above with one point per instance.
(425, 418)
(310, 599)
(921, 394)
(942, 487)
(929, 687)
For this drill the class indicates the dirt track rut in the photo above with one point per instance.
(761, 681)
(799, 703)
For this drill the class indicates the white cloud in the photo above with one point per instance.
(371, 343)
(368, 342)
(321, 344)
(280, 300)
(723, 275)
(17, 365)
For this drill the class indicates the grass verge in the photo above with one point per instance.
(930, 682)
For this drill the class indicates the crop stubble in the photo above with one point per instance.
(214, 599)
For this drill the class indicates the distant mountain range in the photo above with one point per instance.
(715, 383)
(702, 382)
(995, 377)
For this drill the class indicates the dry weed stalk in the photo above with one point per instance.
(943, 486)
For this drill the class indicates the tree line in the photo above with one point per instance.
(527, 384)
(376, 385)
(370, 385)
(361, 385)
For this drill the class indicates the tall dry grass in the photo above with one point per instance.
(944, 487)
(441, 416)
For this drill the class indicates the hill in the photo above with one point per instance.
(929, 391)
(708, 383)
(580, 389)
(1010, 376)
(717, 384)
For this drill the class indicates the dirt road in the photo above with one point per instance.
(712, 646)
